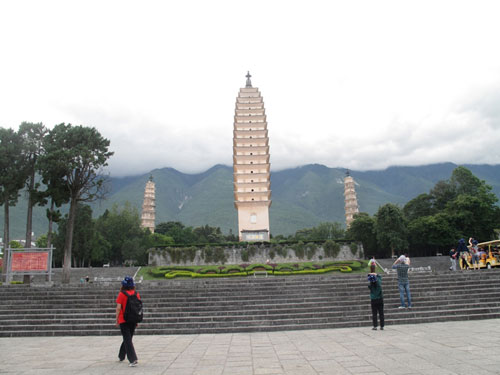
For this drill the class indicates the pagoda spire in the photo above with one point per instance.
(249, 83)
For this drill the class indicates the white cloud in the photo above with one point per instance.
(361, 85)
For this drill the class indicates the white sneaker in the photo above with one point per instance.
(132, 364)
(401, 307)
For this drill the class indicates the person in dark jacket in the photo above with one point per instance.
(376, 297)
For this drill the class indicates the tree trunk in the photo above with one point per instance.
(69, 241)
(29, 218)
(5, 238)
(29, 222)
(49, 233)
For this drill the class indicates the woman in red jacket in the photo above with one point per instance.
(127, 329)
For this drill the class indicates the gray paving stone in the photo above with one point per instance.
(423, 349)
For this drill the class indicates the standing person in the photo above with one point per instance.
(453, 259)
(376, 297)
(463, 253)
(474, 250)
(401, 265)
(127, 328)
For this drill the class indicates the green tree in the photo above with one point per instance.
(422, 205)
(208, 234)
(83, 236)
(363, 229)
(431, 234)
(324, 231)
(11, 180)
(181, 234)
(32, 136)
(391, 229)
(77, 154)
(121, 228)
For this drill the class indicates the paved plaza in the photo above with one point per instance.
(459, 347)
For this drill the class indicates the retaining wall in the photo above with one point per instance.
(256, 254)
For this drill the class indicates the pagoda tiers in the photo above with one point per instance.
(351, 202)
(252, 194)
(148, 206)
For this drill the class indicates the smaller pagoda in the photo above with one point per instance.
(351, 202)
(148, 206)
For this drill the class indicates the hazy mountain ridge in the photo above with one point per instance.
(302, 197)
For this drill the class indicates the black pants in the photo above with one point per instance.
(127, 346)
(378, 307)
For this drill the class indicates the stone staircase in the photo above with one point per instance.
(247, 305)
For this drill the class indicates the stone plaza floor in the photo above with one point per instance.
(458, 347)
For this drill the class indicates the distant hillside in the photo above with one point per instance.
(301, 197)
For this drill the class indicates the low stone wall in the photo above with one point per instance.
(193, 256)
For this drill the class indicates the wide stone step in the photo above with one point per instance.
(247, 305)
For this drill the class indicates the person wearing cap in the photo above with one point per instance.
(376, 297)
(127, 329)
(402, 265)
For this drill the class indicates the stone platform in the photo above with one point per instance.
(449, 348)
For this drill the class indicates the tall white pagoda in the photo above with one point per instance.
(252, 186)
(148, 206)
(351, 202)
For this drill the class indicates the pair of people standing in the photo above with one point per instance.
(127, 328)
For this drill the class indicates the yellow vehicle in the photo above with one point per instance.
(489, 256)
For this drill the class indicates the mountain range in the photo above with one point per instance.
(302, 197)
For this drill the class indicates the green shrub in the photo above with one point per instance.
(282, 251)
(310, 250)
(272, 254)
(331, 248)
(354, 248)
(299, 250)
(258, 266)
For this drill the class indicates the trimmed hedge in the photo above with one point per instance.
(242, 270)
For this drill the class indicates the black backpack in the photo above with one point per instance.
(133, 309)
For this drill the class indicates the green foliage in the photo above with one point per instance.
(311, 250)
(354, 248)
(331, 248)
(463, 206)
(41, 241)
(15, 245)
(214, 255)
(283, 269)
(121, 236)
(158, 239)
(244, 255)
(183, 235)
(75, 155)
(12, 164)
(391, 229)
(324, 231)
(363, 230)
(299, 250)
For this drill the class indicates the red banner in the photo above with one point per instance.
(26, 261)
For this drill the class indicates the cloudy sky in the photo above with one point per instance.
(355, 84)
